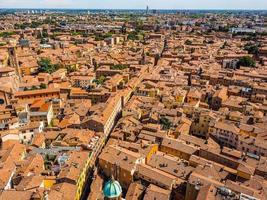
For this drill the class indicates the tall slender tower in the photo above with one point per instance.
(13, 61)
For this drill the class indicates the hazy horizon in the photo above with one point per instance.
(136, 4)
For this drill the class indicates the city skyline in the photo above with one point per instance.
(139, 4)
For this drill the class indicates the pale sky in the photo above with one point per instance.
(137, 4)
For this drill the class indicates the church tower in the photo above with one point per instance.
(13, 61)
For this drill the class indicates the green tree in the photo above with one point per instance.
(119, 67)
(6, 34)
(252, 48)
(139, 25)
(133, 36)
(165, 122)
(43, 86)
(188, 42)
(100, 80)
(35, 24)
(103, 36)
(246, 61)
(71, 68)
(46, 66)
(34, 88)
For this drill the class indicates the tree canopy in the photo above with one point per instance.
(246, 61)
(100, 80)
(6, 34)
(188, 42)
(119, 67)
(103, 36)
(165, 122)
(46, 66)
(133, 35)
(252, 48)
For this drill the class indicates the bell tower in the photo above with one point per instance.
(13, 61)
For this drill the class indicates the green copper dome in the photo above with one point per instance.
(112, 189)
